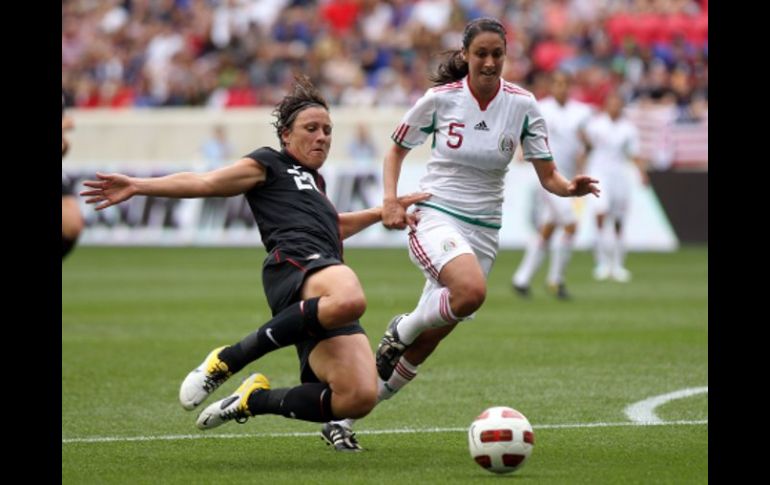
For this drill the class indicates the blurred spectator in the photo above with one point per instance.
(362, 149)
(217, 149)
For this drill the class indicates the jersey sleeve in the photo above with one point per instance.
(631, 147)
(267, 157)
(534, 135)
(417, 123)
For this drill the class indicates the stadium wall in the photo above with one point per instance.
(684, 197)
(149, 138)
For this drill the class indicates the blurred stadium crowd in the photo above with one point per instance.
(231, 53)
(226, 53)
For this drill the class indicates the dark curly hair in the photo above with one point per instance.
(303, 95)
(454, 67)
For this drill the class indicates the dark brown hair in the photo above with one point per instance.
(303, 95)
(454, 68)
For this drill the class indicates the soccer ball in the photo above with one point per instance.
(501, 439)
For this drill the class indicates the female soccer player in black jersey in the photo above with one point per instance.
(316, 300)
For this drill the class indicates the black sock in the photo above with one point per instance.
(67, 245)
(308, 402)
(295, 323)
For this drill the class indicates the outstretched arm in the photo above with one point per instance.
(554, 182)
(227, 181)
(394, 215)
(354, 222)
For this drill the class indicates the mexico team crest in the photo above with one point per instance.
(448, 245)
(506, 143)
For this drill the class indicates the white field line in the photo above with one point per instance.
(643, 412)
(107, 439)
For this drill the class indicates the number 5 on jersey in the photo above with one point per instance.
(456, 134)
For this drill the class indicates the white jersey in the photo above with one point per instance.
(564, 123)
(472, 146)
(613, 144)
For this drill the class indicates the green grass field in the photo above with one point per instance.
(135, 321)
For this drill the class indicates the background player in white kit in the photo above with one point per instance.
(477, 120)
(613, 141)
(565, 119)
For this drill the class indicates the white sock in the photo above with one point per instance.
(605, 241)
(346, 423)
(403, 374)
(432, 311)
(619, 252)
(533, 256)
(560, 256)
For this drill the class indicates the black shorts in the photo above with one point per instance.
(67, 185)
(282, 278)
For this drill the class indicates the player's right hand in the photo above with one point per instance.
(111, 189)
(393, 215)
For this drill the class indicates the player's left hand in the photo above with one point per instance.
(583, 185)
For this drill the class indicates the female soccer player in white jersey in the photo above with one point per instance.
(476, 120)
(612, 140)
(566, 119)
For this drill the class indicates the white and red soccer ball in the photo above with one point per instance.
(501, 439)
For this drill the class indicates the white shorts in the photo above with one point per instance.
(553, 209)
(440, 238)
(615, 196)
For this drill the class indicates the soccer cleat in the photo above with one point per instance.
(621, 275)
(203, 380)
(522, 291)
(559, 290)
(601, 273)
(235, 406)
(390, 349)
(340, 437)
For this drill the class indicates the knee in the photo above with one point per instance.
(72, 226)
(468, 298)
(350, 308)
(356, 403)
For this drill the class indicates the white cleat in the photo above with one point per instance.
(601, 273)
(203, 380)
(390, 349)
(235, 406)
(621, 275)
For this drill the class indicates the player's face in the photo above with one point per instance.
(560, 87)
(613, 105)
(310, 137)
(485, 56)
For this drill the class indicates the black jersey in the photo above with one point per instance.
(291, 208)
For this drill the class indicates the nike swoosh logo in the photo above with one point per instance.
(313, 256)
(206, 421)
(269, 334)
